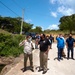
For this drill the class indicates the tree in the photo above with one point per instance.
(67, 23)
(47, 31)
(38, 29)
(27, 27)
(13, 25)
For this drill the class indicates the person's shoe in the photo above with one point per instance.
(32, 70)
(24, 70)
(64, 56)
(44, 72)
(58, 59)
(61, 58)
(48, 59)
(67, 58)
(73, 58)
(40, 70)
(47, 68)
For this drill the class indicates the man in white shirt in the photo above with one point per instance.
(27, 51)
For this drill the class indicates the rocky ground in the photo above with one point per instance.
(64, 67)
(6, 60)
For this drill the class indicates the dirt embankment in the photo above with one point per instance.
(9, 62)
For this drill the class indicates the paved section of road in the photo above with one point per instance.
(64, 67)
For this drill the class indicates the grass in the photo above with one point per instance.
(4, 32)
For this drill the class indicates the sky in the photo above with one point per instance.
(43, 13)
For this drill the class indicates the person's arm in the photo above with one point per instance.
(67, 43)
(48, 43)
(47, 51)
(64, 42)
(22, 43)
(57, 37)
(32, 45)
(74, 43)
(74, 40)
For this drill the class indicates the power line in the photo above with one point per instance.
(9, 8)
(17, 4)
(40, 14)
(22, 15)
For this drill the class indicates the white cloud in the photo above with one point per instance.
(65, 7)
(52, 1)
(42, 28)
(70, 3)
(28, 20)
(65, 11)
(54, 14)
(53, 27)
(33, 27)
(63, 2)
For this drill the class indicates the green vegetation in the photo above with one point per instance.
(66, 26)
(67, 23)
(13, 25)
(4, 32)
(37, 29)
(9, 44)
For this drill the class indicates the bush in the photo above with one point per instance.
(9, 44)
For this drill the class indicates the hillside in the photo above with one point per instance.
(4, 32)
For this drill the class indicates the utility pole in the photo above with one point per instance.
(22, 21)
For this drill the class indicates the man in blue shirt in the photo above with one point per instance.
(70, 46)
(60, 45)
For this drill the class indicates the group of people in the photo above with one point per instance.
(38, 37)
(69, 42)
(45, 43)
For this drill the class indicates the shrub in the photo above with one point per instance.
(9, 44)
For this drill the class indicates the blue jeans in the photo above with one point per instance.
(68, 52)
(60, 53)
